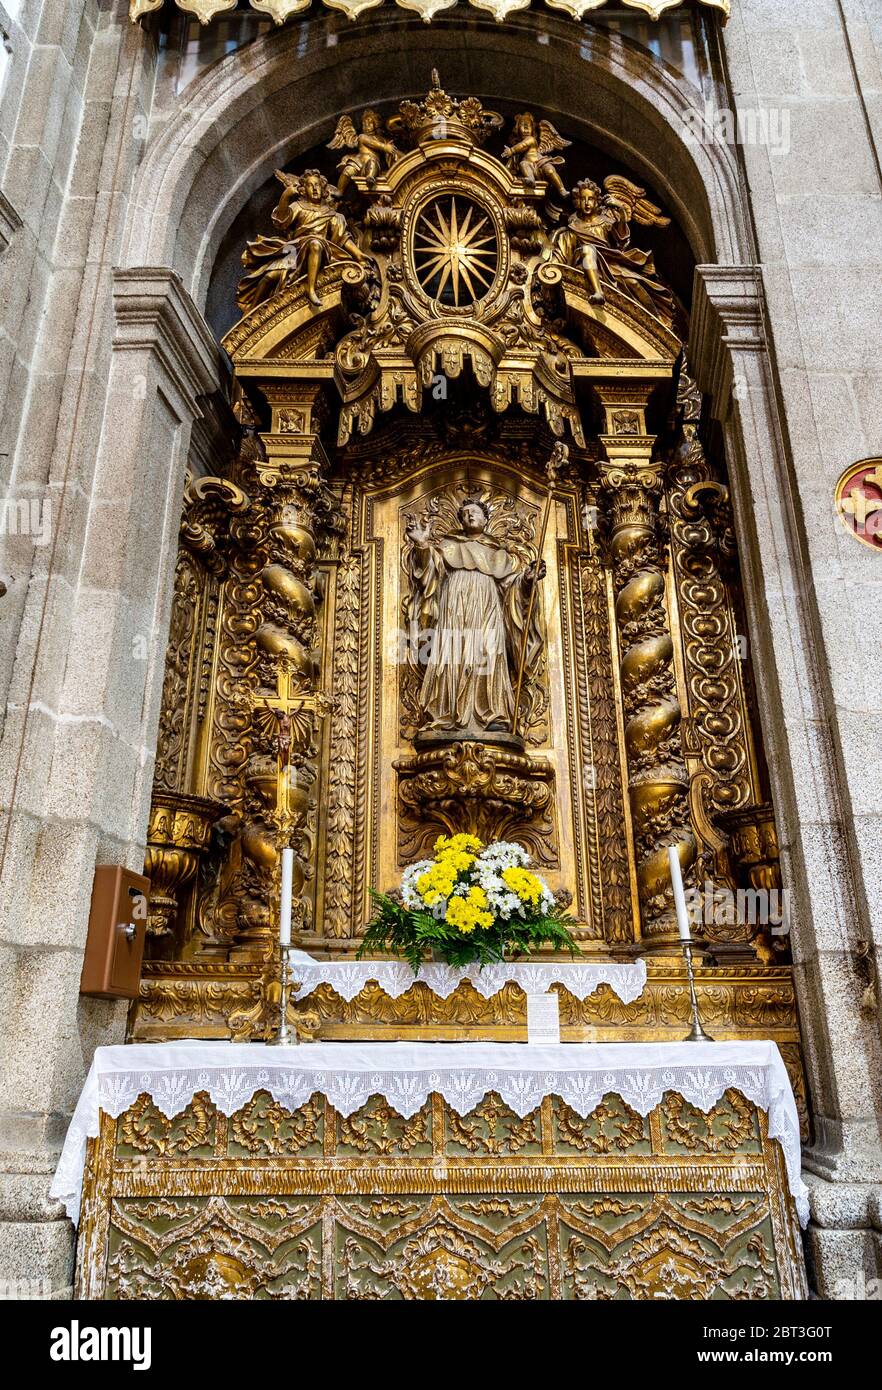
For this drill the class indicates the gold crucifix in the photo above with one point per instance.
(289, 717)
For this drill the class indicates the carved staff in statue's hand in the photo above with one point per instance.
(536, 571)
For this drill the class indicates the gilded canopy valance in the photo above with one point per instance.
(280, 10)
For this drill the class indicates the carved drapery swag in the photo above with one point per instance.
(412, 344)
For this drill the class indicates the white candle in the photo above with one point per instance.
(679, 895)
(285, 901)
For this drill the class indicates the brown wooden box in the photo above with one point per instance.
(115, 939)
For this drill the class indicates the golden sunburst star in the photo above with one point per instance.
(457, 249)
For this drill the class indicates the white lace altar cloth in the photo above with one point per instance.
(349, 977)
(406, 1073)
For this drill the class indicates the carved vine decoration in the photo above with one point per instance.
(173, 735)
(701, 553)
(657, 777)
(601, 757)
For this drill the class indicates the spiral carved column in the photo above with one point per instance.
(280, 771)
(657, 776)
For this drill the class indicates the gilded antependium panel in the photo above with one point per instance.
(272, 1203)
(465, 561)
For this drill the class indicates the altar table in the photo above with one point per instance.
(436, 1171)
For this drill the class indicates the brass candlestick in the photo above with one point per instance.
(283, 1038)
(696, 1032)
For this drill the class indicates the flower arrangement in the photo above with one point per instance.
(471, 902)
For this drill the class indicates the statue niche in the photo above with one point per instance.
(472, 611)
(475, 640)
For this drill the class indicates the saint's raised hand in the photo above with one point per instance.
(420, 535)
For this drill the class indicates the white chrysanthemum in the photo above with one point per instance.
(504, 854)
(409, 894)
(500, 899)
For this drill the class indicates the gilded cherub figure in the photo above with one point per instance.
(314, 233)
(597, 239)
(369, 148)
(531, 150)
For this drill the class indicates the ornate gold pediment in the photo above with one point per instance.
(444, 257)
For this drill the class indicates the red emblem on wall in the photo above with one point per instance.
(859, 501)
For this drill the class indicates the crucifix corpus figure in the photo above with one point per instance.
(283, 736)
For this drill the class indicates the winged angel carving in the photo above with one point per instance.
(313, 232)
(369, 148)
(597, 240)
(471, 567)
(533, 150)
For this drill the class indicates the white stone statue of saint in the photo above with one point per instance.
(471, 596)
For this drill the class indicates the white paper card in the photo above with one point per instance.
(543, 1018)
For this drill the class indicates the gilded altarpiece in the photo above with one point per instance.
(449, 348)
(562, 807)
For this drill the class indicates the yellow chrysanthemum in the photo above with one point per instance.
(465, 916)
(436, 884)
(456, 844)
(457, 859)
(526, 885)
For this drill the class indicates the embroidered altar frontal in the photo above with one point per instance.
(443, 1174)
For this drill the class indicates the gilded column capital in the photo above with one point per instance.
(630, 481)
(622, 470)
(293, 453)
(629, 493)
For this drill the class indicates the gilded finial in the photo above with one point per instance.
(439, 115)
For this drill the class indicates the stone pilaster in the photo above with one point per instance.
(76, 760)
(730, 357)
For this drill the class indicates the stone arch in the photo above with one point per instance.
(274, 99)
(234, 125)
